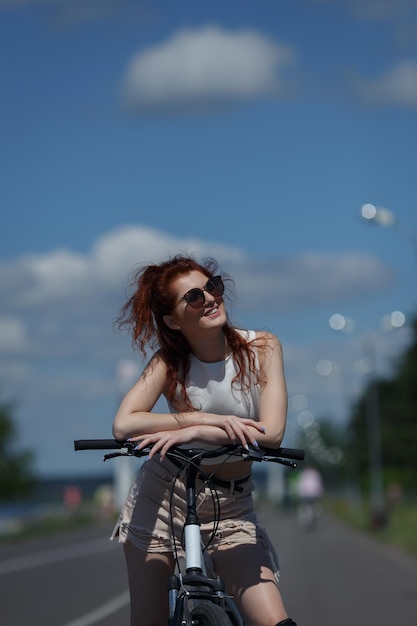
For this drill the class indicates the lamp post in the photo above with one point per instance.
(340, 323)
(381, 216)
(373, 424)
(127, 372)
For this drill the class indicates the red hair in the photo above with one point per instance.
(143, 316)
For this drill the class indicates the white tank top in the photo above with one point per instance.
(210, 389)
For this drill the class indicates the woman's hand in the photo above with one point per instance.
(223, 430)
(238, 430)
(163, 441)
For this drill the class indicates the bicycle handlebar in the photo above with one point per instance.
(253, 454)
(287, 453)
(99, 444)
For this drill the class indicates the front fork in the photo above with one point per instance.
(197, 586)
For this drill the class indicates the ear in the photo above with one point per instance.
(170, 322)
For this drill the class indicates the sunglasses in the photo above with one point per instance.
(196, 298)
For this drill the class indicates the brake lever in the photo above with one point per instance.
(113, 455)
(251, 454)
(130, 451)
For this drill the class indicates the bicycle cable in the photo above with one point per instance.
(214, 498)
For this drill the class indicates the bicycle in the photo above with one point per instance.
(308, 513)
(196, 598)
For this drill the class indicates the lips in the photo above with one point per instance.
(211, 311)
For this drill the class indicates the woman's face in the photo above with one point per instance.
(184, 317)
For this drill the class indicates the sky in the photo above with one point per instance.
(248, 132)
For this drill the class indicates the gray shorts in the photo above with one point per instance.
(145, 518)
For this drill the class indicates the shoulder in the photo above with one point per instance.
(156, 366)
(260, 339)
(265, 339)
(155, 373)
(269, 349)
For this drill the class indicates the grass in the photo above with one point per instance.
(52, 524)
(399, 529)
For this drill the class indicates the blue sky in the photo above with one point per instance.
(251, 132)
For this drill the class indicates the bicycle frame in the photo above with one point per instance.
(195, 585)
(188, 590)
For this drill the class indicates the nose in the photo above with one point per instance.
(208, 297)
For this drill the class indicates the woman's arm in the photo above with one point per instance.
(273, 397)
(134, 415)
(222, 429)
(167, 430)
(134, 418)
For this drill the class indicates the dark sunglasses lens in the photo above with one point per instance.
(195, 298)
(215, 286)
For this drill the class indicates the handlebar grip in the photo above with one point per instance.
(98, 444)
(286, 453)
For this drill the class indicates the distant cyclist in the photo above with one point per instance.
(309, 490)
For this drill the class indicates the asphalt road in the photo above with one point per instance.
(331, 576)
(334, 576)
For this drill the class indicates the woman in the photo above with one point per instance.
(222, 385)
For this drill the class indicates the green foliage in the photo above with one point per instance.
(325, 444)
(395, 401)
(16, 476)
(400, 532)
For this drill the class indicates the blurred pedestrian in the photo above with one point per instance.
(310, 490)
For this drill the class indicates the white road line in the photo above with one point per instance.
(66, 553)
(102, 611)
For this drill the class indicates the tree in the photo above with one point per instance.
(16, 475)
(325, 444)
(397, 407)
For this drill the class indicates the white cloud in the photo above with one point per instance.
(310, 280)
(206, 68)
(13, 337)
(382, 9)
(398, 86)
(65, 303)
(69, 281)
(121, 250)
